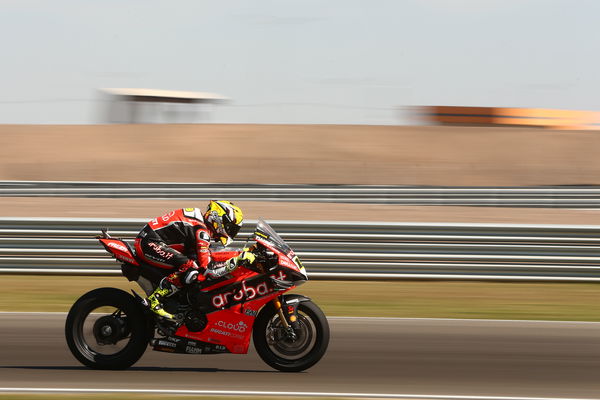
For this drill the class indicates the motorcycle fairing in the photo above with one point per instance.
(230, 327)
(266, 235)
(177, 344)
(120, 250)
(286, 260)
(243, 291)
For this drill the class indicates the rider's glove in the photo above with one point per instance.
(224, 269)
(244, 258)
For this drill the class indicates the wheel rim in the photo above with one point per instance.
(282, 346)
(103, 331)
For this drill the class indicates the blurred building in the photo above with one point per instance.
(133, 106)
(496, 116)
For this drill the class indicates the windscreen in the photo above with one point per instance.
(266, 233)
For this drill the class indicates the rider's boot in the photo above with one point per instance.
(164, 289)
(169, 286)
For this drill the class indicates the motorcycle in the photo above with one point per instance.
(108, 328)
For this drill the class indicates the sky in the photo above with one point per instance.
(331, 62)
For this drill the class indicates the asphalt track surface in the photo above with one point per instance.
(395, 356)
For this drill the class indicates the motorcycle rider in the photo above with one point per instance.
(166, 242)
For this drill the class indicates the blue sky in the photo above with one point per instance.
(334, 61)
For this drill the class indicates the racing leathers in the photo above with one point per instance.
(171, 242)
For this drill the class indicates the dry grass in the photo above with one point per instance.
(130, 396)
(547, 301)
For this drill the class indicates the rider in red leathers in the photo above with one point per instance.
(174, 240)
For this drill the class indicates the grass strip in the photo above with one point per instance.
(131, 396)
(409, 299)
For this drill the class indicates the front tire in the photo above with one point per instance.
(288, 355)
(107, 329)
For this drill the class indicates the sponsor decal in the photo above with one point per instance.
(165, 255)
(118, 246)
(193, 350)
(227, 333)
(246, 292)
(166, 343)
(220, 347)
(126, 259)
(287, 263)
(168, 216)
(165, 218)
(239, 327)
(252, 313)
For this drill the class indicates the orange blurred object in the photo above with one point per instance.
(496, 116)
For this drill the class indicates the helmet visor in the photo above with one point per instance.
(231, 228)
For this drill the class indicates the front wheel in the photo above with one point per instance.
(286, 354)
(107, 329)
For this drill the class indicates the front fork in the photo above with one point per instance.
(287, 316)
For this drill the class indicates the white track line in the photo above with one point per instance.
(268, 393)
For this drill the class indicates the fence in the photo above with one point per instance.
(552, 196)
(338, 250)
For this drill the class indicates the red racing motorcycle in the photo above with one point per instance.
(108, 328)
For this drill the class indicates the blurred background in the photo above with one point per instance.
(433, 162)
(342, 62)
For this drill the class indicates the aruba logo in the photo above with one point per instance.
(247, 292)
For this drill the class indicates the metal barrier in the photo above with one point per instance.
(553, 196)
(338, 250)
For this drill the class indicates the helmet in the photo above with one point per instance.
(224, 219)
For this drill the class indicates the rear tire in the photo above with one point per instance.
(107, 340)
(291, 356)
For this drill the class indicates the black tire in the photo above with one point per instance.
(134, 329)
(313, 338)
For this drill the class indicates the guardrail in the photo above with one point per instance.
(338, 250)
(548, 196)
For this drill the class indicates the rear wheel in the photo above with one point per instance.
(291, 353)
(107, 329)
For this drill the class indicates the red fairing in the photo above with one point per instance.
(284, 259)
(120, 250)
(230, 327)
